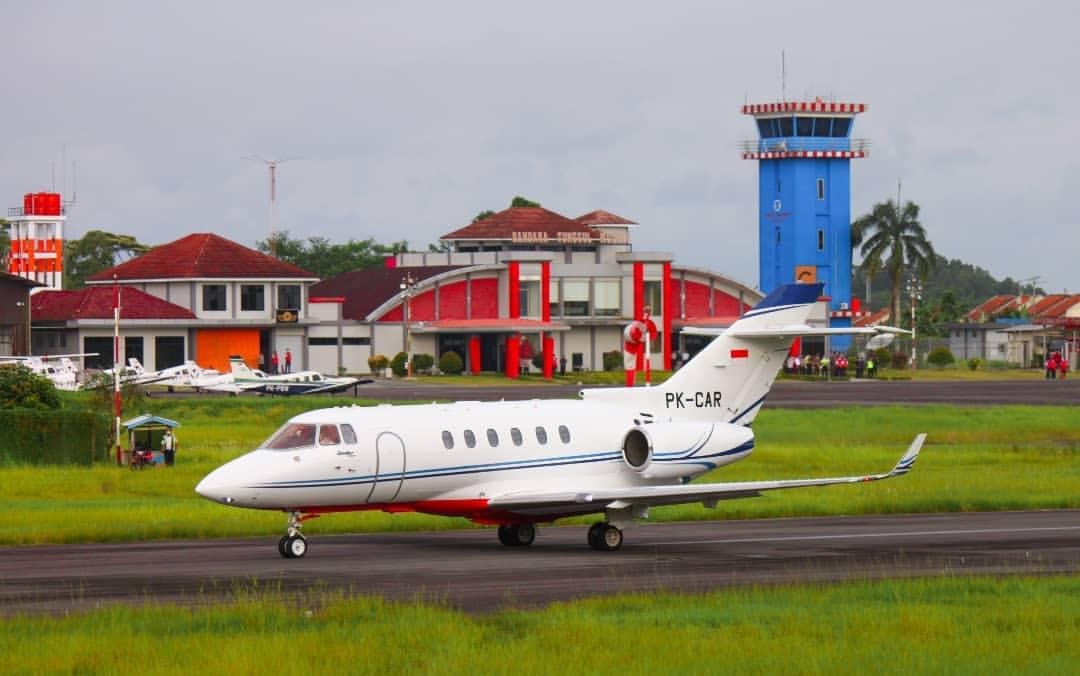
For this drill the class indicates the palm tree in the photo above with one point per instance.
(894, 240)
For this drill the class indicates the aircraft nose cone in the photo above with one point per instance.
(213, 488)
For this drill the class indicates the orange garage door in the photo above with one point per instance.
(214, 346)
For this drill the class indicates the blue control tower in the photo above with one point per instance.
(804, 151)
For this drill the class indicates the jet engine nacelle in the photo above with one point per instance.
(684, 449)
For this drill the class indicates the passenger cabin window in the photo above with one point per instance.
(447, 439)
(515, 436)
(470, 439)
(493, 437)
(541, 435)
(329, 435)
(292, 435)
(564, 434)
(347, 434)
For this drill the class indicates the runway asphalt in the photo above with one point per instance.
(470, 570)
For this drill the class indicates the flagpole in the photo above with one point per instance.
(116, 363)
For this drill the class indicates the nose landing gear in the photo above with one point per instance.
(293, 545)
(604, 537)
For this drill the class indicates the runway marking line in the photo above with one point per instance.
(793, 538)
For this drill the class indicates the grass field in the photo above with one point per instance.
(998, 458)
(932, 626)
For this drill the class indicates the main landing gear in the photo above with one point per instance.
(293, 545)
(603, 536)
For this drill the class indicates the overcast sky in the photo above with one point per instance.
(408, 118)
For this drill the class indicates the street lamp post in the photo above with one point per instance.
(914, 289)
(408, 287)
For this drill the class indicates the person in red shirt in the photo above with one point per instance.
(288, 360)
(274, 362)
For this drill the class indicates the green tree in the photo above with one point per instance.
(324, 259)
(22, 388)
(520, 201)
(97, 250)
(895, 241)
(488, 212)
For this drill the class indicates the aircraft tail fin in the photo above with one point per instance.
(239, 367)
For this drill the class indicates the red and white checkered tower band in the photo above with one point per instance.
(36, 232)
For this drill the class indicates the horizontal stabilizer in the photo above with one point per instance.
(792, 331)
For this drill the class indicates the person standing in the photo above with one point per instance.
(274, 363)
(288, 360)
(168, 445)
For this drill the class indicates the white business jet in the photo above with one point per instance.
(187, 375)
(615, 452)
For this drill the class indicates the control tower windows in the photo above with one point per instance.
(822, 126)
(840, 127)
(787, 126)
(767, 128)
(805, 126)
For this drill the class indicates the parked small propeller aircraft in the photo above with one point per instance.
(186, 375)
(246, 379)
(59, 368)
(515, 464)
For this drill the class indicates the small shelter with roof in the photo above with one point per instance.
(145, 433)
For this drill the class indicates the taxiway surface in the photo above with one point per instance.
(470, 570)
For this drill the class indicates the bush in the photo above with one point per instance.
(400, 364)
(22, 388)
(54, 437)
(451, 363)
(613, 361)
(940, 357)
(974, 363)
(422, 363)
(378, 363)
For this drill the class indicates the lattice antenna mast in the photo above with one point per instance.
(272, 165)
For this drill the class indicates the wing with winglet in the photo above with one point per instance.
(685, 493)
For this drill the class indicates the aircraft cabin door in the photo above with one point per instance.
(390, 470)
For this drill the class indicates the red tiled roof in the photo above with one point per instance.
(1053, 306)
(365, 290)
(601, 217)
(990, 307)
(202, 255)
(96, 302)
(504, 224)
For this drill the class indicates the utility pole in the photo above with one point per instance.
(408, 288)
(914, 289)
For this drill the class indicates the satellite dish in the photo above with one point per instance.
(879, 341)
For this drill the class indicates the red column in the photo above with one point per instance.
(549, 357)
(513, 347)
(545, 292)
(514, 271)
(639, 289)
(665, 331)
(474, 354)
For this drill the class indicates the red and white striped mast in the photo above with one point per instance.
(116, 362)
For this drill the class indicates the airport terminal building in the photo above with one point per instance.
(518, 283)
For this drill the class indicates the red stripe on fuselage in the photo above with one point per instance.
(474, 510)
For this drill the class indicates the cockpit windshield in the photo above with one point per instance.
(292, 435)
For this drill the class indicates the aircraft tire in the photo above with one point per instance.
(524, 534)
(608, 538)
(295, 547)
(596, 534)
(281, 546)
(506, 536)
